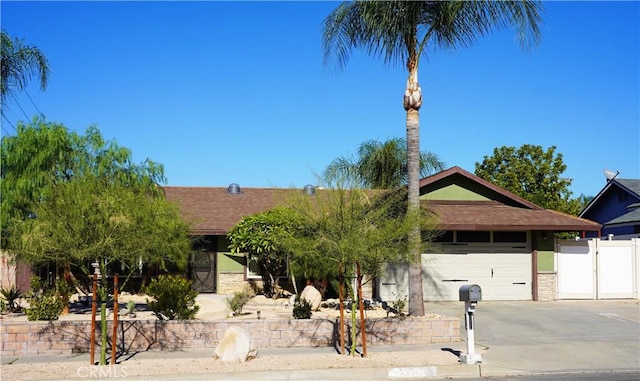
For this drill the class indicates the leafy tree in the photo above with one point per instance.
(403, 31)
(344, 232)
(86, 221)
(531, 173)
(20, 63)
(381, 165)
(84, 201)
(261, 236)
(43, 154)
(39, 156)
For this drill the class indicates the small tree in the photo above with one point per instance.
(345, 232)
(261, 236)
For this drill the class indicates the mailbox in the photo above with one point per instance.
(470, 293)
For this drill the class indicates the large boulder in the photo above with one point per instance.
(236, 345)
(212, 306)
(313, 296)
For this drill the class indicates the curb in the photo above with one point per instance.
(332, 374)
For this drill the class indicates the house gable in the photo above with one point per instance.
(456, 184)
(465, 202)
(453, 192)
(615, 207)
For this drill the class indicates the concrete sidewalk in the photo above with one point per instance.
(514, 338)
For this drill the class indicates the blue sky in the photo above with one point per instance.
(224, 92)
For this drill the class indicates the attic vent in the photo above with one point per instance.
(233, 188)
(309, 189)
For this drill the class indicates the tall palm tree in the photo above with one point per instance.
(402, 31)
(381, 165)
(19, 64)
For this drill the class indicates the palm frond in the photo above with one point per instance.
(399, 30)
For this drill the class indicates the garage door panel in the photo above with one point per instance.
(501, 276)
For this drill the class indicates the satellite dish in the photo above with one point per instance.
(610, 175)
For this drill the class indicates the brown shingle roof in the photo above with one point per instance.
(214, 211)
(492, 215)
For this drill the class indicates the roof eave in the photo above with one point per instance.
(482, 227)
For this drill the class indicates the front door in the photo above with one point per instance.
(203, 271)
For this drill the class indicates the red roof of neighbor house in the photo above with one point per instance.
(214, 211)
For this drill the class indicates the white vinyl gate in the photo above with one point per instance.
(598, 269)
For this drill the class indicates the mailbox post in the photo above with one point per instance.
(470, 294)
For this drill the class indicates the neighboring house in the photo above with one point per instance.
(491, 237)
(616, 207)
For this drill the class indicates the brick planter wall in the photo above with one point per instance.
(64, 337)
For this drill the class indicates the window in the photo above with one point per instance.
(464, 236)
(446, 236)
(510, 237)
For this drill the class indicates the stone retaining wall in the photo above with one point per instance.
(65, 337)
(547, 286)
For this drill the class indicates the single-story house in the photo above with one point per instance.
(616, 207)
(491, 237)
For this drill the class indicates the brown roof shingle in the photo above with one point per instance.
(492, 215)
(214, 211)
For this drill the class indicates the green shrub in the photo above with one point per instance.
(399, 304)
(45, 303)
(46, 306)
(238, 301)
(11, 295)
(131, 306)
(173, 298)
(301, 308)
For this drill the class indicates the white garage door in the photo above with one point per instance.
(501, 276)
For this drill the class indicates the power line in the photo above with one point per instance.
(11, 124)
(5, 131)
(34, 105)
(21, 109)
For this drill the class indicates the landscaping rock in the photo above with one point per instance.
(212, 306)
(313, 296)
(236, 345)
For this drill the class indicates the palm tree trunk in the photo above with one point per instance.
(412, 103)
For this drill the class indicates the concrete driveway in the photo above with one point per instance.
(553, 336)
